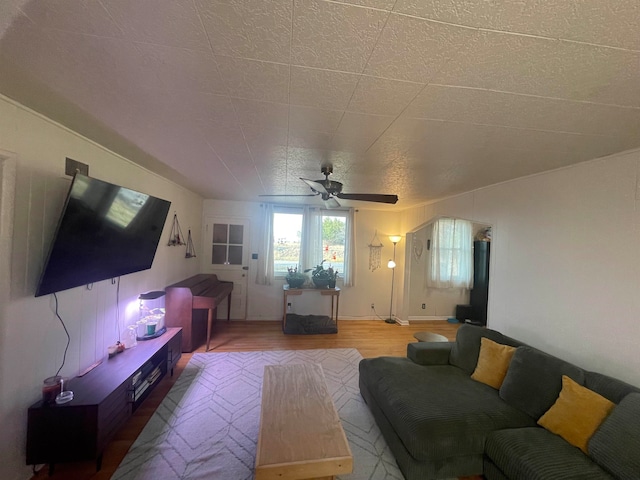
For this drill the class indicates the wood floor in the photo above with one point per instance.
(370, 338)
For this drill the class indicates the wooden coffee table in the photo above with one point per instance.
(300, 435)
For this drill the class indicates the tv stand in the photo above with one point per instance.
(103, 401)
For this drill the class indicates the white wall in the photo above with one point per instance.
(265, 301)
(565, 260)
(32, 340)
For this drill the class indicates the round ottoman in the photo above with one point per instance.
(430, 337)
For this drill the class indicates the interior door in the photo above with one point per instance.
(227, 255)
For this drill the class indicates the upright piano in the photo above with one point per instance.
(193, 305)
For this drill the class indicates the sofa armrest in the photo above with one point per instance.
(429, 353)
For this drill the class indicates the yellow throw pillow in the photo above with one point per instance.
(493, 362)
(577, 413)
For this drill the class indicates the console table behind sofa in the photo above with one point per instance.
(185, 299)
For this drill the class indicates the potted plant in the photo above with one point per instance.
(294, 278)
(323, 277)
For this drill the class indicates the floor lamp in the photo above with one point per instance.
(392, 265)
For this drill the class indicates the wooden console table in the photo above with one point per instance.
(333, 292)
(103, 401)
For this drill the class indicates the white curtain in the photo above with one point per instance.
(311, 248)
(451, 254)
(264, 272)
(350, 250)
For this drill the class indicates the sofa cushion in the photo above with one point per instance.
(534, 380)
(616, 444)
(466, 348)
(576, 414)
(493, 362)
(429, 353)
(609, 387)
(437, 410)
(537, 454)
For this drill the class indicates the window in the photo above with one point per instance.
(304, 237)
(334, 240)
(287, 235)
(451, 254)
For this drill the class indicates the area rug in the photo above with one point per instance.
(207, 425)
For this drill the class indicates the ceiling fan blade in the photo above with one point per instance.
(369, 197)
(315, 186)
(331, 203)
(290, 195)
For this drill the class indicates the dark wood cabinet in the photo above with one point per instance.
(479, 297)
(476, 311)
(103, 400)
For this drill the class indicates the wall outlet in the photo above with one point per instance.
(373, 306)
(424, 305)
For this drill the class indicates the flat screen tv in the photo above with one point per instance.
(105, 231)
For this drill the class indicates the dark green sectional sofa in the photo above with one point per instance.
(440, 423)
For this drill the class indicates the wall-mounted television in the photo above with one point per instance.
(105, 231)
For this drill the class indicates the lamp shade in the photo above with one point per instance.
(391, 264)
(395, 238)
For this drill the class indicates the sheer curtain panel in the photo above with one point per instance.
(451, 254)
(264, 272)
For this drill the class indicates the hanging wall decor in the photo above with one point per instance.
(375, 252)
(176, 237)
(418, 247)
(191, 251)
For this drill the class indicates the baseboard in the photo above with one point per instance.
(360, 317)
(424, 318)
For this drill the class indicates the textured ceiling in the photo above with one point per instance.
(424, 99)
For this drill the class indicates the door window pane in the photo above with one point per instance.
(235, 255)
(219, 233)
(236, 233)
(219, 254)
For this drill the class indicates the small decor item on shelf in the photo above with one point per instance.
(323, 278)
(151, 317)
(484, 235)
(51, 388)
(132, 336)
(191, 251)
(294, 278)
(175, 237)
(64, 397)
(116, 348)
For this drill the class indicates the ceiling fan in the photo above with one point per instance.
(329, 190)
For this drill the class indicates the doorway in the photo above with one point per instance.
(425, 303)
(226, 246)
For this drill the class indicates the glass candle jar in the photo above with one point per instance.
(51, 387)
(132, 336)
